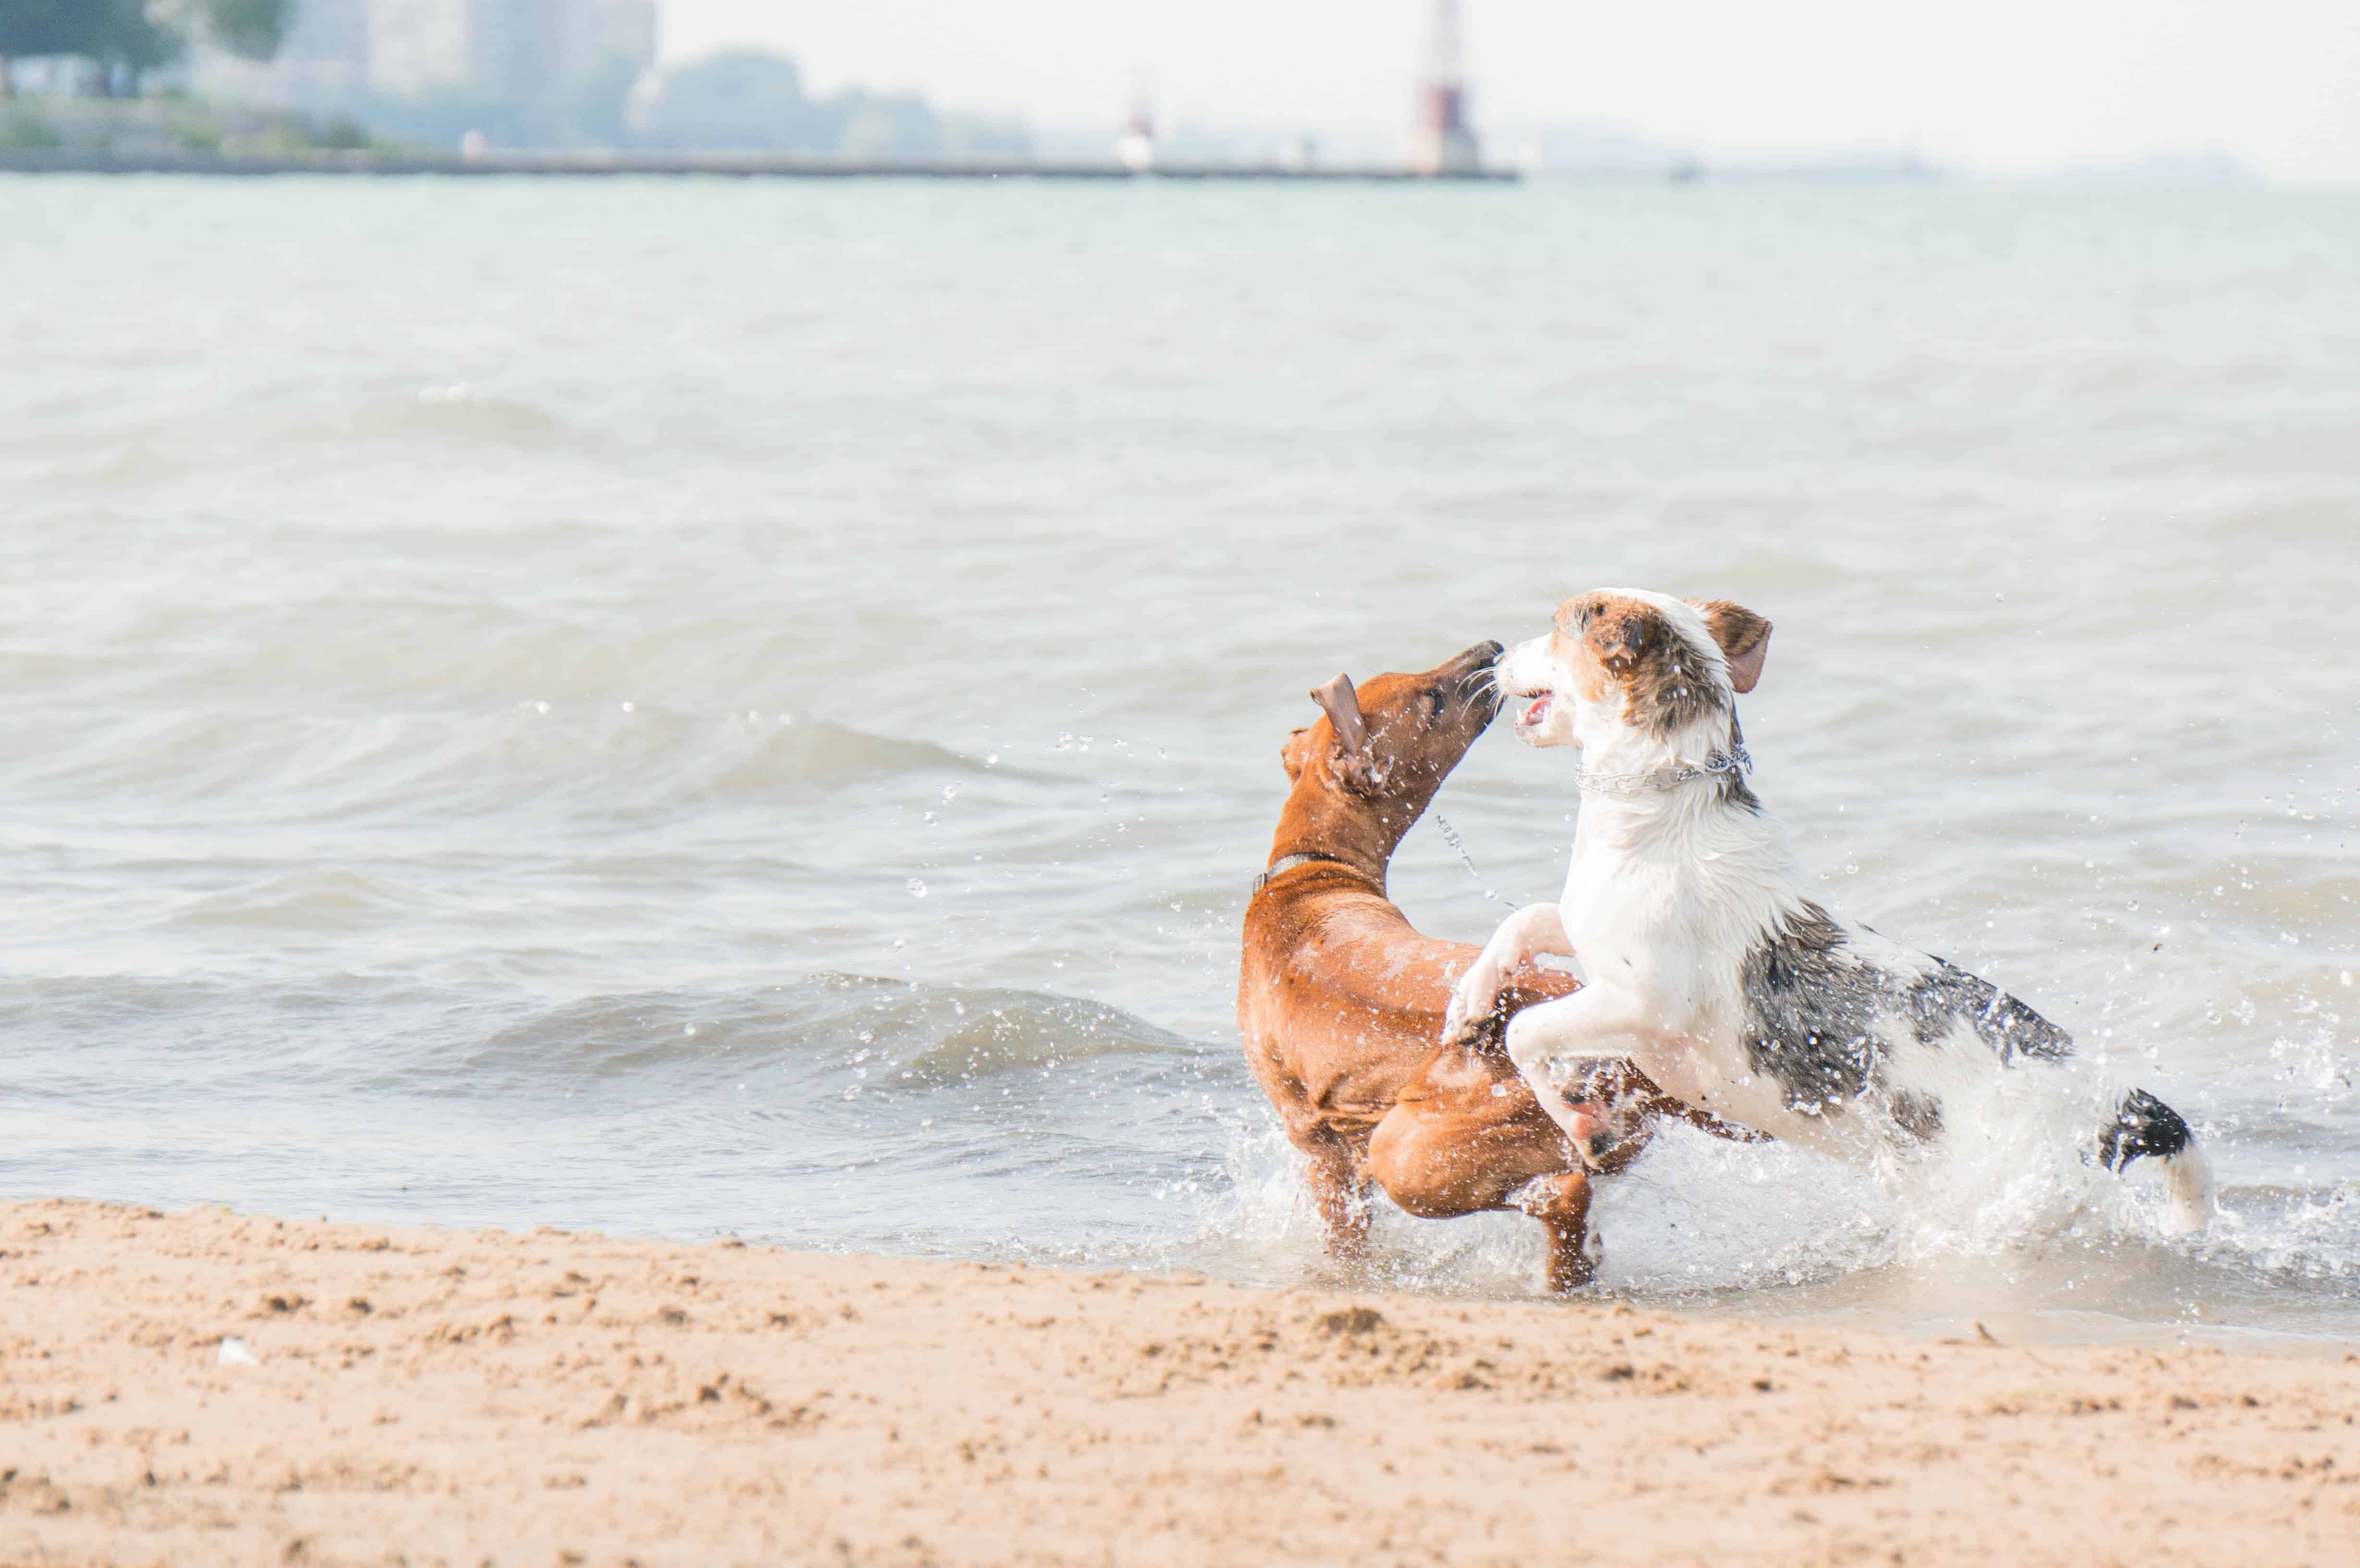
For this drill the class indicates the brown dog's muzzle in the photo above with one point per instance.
(1473, 671)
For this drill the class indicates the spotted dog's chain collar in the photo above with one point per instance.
(1726, 764)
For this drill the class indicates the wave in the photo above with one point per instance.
(302, 901)
(604, 757)
(816, 749)
(459, 411)
(2012, 1227)
(412, 642)
(857, 1033)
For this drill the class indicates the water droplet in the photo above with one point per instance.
(991, 759)
(688, 1029)
(630, 708)
(950, 793)
(917, 888)
(1851, 867)
(541, 707)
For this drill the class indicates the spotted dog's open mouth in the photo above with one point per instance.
(1534, 712)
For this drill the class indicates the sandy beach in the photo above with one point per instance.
(431, 1396)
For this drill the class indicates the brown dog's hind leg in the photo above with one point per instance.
(1562, 1205)
(1466, 1136)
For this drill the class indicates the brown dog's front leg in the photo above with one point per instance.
(1341, 1195)
(1561, 1204)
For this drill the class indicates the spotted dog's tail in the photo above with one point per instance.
(2145, 1125)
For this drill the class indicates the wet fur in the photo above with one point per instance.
(1710, 970)
(1817, 1013)
(1341, 999)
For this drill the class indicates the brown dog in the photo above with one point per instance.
(1340, 1000)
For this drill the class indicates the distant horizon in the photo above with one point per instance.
(2009, 90)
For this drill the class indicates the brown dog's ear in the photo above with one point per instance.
(1743, 636)
(1342, 705)
(1356, 764)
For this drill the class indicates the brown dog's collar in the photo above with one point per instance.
(1288, 863)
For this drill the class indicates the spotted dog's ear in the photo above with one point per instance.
(1743, 636)
(1355, 766)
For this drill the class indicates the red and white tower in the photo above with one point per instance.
(1135, 148)
(1441, 142)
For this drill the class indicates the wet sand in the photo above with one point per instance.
(446, 1397)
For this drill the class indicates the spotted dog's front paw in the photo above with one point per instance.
(1471, 1001)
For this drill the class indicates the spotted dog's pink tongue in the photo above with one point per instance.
(1537, 711)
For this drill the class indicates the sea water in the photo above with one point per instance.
(700, 707)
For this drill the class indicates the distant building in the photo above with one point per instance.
(417, 47)
(606, 33)
(508, 50)
(327, 47)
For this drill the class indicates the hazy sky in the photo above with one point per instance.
(2002, 85)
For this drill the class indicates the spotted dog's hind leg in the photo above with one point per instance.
(1593, 1028)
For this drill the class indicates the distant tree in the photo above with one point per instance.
(139, 36)
(42, 26)
(985, 138)
(595, 105)
(739, 99)
(251, 29)
(886, 127)
(124, 35)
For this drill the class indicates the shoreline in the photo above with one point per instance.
(540, 1397)
(740, 166)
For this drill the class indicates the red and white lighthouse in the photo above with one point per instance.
(1441, 141)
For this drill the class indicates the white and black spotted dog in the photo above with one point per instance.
(1708, 965)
